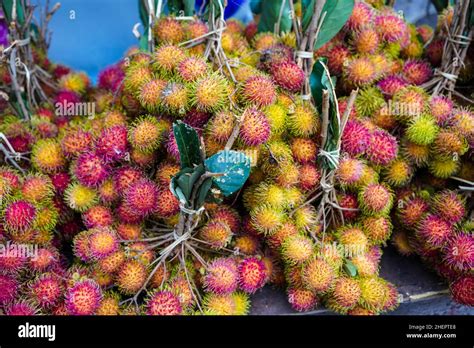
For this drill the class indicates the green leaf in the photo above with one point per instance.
(337, 14)
(188, 7)
(234, 167)
(203, 192)
(7, 6)
(440, 4)
(308, 14)
(256, 6)
(270, 15)
(179, 182)
(188, 143)
(350, 268)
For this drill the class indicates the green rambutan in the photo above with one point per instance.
(398, 173)
(374, 293)
(422, 130)
(369, 100)
(167, 58)
(266, 219)
(79, 197)
(305, 217)
(417, 154)
(135, 77)
(304, 121)
(271, 194)
(443, 168)
(242, 303)
(149, 94)
(215, 304)
(175, 98)
(410, 102)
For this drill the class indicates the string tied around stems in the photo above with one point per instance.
(305, 54)
(332, 156)
(189, 211)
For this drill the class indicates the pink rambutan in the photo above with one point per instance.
(461, 289)
(361, 15)
(302, 300)
(441, 108)
(339, 55)
(81, 246)
(222, 276)
(76, 142)
(103, 241)
(391, 28)
(196, 119)
(163, 303)
(21, 307)
(382, 147)
(366, 40)
(450, 206)
(97, 216)
(112, 143)
(255, 128)
(375, 199)
(360, 71)
(83, 298)
(227, 215)
(66, 98)
(172, 147)
(8, 288)
(10, 261)
(142, 197)
(459, 252)
(288, 75)
(167, 204)
(349, 171)
(417, 72)
(90, 170)
(46, 290)
(18, 216)
(259, 91)
(434, 231)
(252, 274)
(125, 176)
(111, 77)
(411, 211)
(391, 85)
(355, 138)
(348, 201)
(46, 259)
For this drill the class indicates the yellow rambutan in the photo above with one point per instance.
(210, 93)
(266, 218)
(304, 121)
(47, 156)
(297, 249)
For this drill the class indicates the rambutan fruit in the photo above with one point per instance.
(167, 204)
(8, 288)
(352, 239)
(47, 156)
(210, 93)
(37, 188)
(150, 94)
(276, 239)
(309, 177)
(295, 197)
(181, 288)
(391, 85)
(355, 138)
(264, 41)
(215, 304)
(146, 134)
(131, 276)
(369, 100)
(349, 171)
(125, 176)
(345, 294)
(366, 266)
(443, 168)
(450, 206)
(216, 233)
(252, 274)
(75, 142)
(449, 144)
(192, 68)
(103, 241)
(360, 71)
(434, 52)
(441, 109)
(339, 55)
(136, 76)
(90, 170)
(318, 275)
(374, 293)
(377, 229)
(417, 154)
(75, 82)
(409, 102)
(434, 231)
(266, 219)
(142, 197)
(270, 193)
(411, 211)
(259, 91)
(81, 246)
(175, 98)
(398, 173)
(163, 303)
(111, 78)
(302, 300)
(195, 29)
(222, 276)
(459, 252)
(19, 216)
(112, 143)
(289, 173)
(463, 122)
(361, 15)
(461, 290)
(366, 40)
(296, 249)
(79, 197)
(246, 244)
(382, 147)
(255, 128)
(21, 307)
(375, 199)
(242, 303)
(391, 28)
(46, 218)
(304, 150)
(288, 75)
(83, 298)
(112, 262)
(305, 217)
(417, 72)
(165, 173)
(348, 201)
(221, 125)
(46, 290)
(304, 121)
(109, 304)
(422, 130)
(169, 30)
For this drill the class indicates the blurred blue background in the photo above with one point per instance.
(88, 35)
